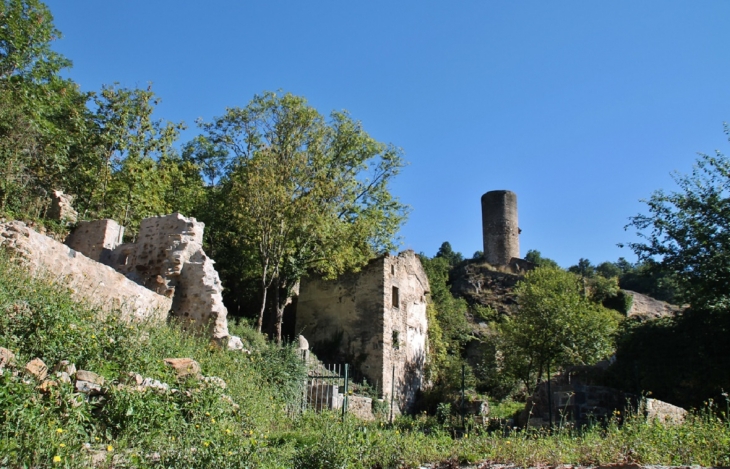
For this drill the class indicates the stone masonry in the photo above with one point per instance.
(167, 258)
(375, 320)
(500, 231)
(88, 280)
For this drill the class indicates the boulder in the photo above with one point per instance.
(37, 369)
(88, 382)
(184, 367)
(660, 411)
(7, 358)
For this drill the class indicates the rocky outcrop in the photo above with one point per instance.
(646, 307)
(89, 281)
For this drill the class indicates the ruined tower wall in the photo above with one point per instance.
(499, 227)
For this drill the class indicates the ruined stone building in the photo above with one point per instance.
(375, 320)
(167, 258)
(165, 271)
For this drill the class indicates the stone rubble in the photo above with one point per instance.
(37, 369)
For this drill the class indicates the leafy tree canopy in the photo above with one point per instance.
(686, 232)
(305, 192)
(556, 325)
(448, 253)
(536, 258)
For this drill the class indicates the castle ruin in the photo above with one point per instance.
(375, 320)
(500, 231)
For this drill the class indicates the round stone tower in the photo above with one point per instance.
(499, 227)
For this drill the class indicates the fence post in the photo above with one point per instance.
(344, 399)
(392, 394)
(463, 376)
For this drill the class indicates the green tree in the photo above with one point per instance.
(555, 326)
(26, 33)
(131, 182)
(534, 256)
(686, 232)
(305, 193)
(448, 253)
(43, 117)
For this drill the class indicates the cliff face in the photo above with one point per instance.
(480, 284)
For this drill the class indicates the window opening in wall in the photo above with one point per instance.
(396, 300)
(392, 270)
(396, 340)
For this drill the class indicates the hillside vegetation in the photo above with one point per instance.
(251, 422)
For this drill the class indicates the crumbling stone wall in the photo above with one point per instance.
(61, 208)
(374, 319)
(89, 280)
(167, 258)
(96, 239)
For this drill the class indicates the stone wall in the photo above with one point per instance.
(89, 280)
(96, 239)
(374, 320)
(167, 258)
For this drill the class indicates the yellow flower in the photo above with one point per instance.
(59, 430)
(56, 459)
(206, 443)
(110, 448)
(228, 431)
(509, 442)
(212, 420)
(62, 445)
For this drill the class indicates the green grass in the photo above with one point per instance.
(198, 426)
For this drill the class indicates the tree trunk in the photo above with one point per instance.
(280, 305)
(260, 321)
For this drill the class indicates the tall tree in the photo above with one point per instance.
(43, 117)
(686, 232)
(131, 183)
(305, 192)
(556, 325)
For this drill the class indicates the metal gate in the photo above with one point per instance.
(326, 388)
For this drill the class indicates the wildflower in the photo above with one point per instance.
(59, 430)
(62, 445)
(206, 443)
(508, 442)
(207, 414)
(56, 459)
(212, 420)
(228, 431)
(110, 448)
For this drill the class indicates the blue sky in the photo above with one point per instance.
(580, 107)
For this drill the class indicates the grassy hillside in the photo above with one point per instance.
(248, 423)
